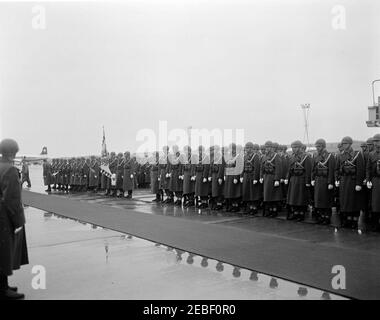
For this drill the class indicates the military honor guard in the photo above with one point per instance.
(373, 181)
(350, 175)
(25, 173)
(154, 174)
(270, 177)
(322, 179)
(202, 169)
(216, 178)
(129, 174)
(175, 175)
(250, 178)
(188, 174)
(299, 180)
(47, 174)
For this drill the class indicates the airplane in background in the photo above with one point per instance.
(33, 157)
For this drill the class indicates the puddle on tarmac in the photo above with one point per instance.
(135, 268)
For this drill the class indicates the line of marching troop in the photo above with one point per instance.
(269, 178)
(86, 174)
(250, 178)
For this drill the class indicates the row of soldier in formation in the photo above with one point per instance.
(264, 177)
(85, 173)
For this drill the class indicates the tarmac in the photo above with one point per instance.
(262, 258)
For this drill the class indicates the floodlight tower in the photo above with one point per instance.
(305, 109)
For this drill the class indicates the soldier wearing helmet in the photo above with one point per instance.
(299, 179)
(216, 176)
(270, 176)
(373, 182)
(323, 178)
(350, 173)
(202, 184)
(250, 177)
(13, 248)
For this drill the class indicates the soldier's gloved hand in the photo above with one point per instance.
(276, 183)
(307, 185)
(192, 178)
(358, 188)
(313, 183)
(131, 176)
(364, 182)
(369, 184)
(209, 178)
(159, 179)
(235, 181)
(330, 187)
(167, 175)
(241, 180)
(286, 181)
(17, 230)
(254, 181)
(261, 180)
(204, 179)
(281, 180)
(337, 184)
(220, 180)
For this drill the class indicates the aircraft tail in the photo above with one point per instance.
(44, 151)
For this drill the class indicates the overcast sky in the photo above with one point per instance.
(209, 64)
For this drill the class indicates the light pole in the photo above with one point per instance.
(189, 135)
(305, 108)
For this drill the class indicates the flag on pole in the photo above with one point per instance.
(104, 168)
(104, 146)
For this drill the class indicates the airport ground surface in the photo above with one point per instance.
(248, 246)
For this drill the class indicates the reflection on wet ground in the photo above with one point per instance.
(84, 261)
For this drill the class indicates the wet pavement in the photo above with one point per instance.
(75, 256)
(84, 261)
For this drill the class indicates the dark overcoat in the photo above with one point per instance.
(350, 173)
(323, 173)
(373, 175)
(270, 171)
(202, 168)
(13, 249)
(250, 191)
(299, 176)
(129, 169)
(216, 173)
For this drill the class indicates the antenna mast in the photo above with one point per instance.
(305, 109)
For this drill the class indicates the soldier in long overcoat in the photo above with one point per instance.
(202, 168)
(250, 178)
(46, 172)
(373, 182)
(120, 175)
(188, 173)
(154, 173)
(175, 179)
(299, 179)
(323, 178)
(270, 176)
(164, 174)
(216, 177)
(129, 175)
(234, 165)
(111, 182)
(13, 248)
(350, 174)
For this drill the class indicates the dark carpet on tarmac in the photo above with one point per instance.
(297, 260)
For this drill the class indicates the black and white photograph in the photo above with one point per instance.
(190, 150)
